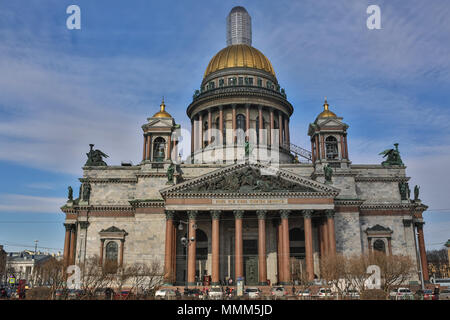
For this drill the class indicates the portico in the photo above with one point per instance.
(239, 229)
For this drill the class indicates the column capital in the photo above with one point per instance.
(284, 214)
(238, 214)
(307, 214)
(247, 105)
(261, 214)
(329, 213)
(419, 224)
(215, 214)
(221, 107)
(233, 105)
(170, 214)
(260, 106)
(83, 224)
(68, 226)
(192, 214)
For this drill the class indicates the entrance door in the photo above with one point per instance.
(251, 262)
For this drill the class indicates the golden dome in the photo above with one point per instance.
(239, 55)
(162, 112)
(326, 113)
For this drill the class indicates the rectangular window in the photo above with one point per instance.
(232, 81)
(250, 81)
(211, 85)
(221, 82)
(259, 82)
(241, 81)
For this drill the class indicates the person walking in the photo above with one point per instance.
(436, 293)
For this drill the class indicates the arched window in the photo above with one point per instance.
(112, 250)
(379, 246)
(331, 147)
(159, 149)
(240, 128)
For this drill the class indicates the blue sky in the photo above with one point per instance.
(61, 90)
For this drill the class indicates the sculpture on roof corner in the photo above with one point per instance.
(95, 157)
(328, 171)
(416, 193)
(393, 157)
(170, 172)
(70, 194)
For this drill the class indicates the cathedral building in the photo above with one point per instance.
(246, 203)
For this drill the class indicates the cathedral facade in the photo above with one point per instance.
(246, 203)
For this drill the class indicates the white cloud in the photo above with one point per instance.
(30, 204)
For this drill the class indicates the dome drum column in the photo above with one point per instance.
(271, 142)
(280, 128)
(260, 118)
(221, 140)
(192, 138)
(247, 122)
(233, 106)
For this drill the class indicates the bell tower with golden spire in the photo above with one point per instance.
(159, 143)
(329, 139)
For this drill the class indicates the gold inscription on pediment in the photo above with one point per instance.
(250, 201)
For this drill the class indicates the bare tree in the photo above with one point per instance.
(96, 276)
(395, 270)
(334, 270)
(357, 272)
(300, 275)
(438, 263)
(50, 273)
(150, 278)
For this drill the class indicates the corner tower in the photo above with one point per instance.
(159, 145)
(329, 139)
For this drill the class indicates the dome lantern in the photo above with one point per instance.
(162, 112)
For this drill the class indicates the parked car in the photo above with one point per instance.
(325, 293)
(123, 295)
(253, 293)
(352, 294)
(74, 294)
(401, 294)
(4, 293)
(215, 293)
(278, 292)
(426, 294)
(193, 293)
(165, 294)
(304, 293)
(60, 294)
(444, 294)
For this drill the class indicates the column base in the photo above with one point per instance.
(215, 283)
(167, 284)
(264, 283)
(192, 284)
(285, 283)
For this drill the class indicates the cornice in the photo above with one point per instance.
(236, 91)
(108, 180)
(257, 195)
(381, 179)
(387, 206)
(146, 203)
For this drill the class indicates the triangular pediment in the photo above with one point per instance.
(159, 123)
(249, 179)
